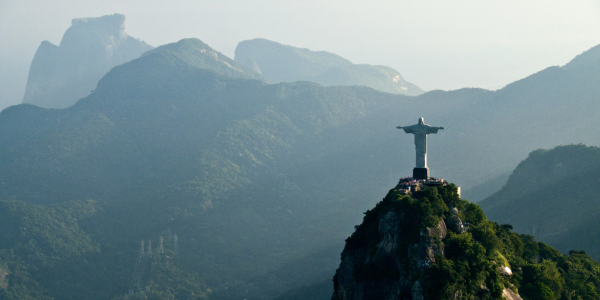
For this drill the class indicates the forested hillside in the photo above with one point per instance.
(169, 148)
(552, 196)
(261, 183)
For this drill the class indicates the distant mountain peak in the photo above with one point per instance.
(61, 75)
(324, 57)
(284, 63)
(109, 25)
(198, 54)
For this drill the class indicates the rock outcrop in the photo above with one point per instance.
(454, 222)
(61, 75)
(282, 63)
(401, 282)
(510, 295)
(3, 282)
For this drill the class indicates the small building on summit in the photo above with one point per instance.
(409, 185)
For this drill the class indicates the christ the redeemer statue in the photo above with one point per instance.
(421, 130)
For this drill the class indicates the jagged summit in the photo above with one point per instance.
(61, 75)
(283, 63)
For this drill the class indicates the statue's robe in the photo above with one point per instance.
(421, 131)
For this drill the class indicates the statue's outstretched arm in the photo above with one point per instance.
(407, 129)
(432, 129)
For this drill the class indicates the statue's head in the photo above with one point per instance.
(421, 121)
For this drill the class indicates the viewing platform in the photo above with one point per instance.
(408, 185)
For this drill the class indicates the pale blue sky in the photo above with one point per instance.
(436, 44)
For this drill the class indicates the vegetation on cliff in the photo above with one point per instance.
(552, 195)
(472, 261)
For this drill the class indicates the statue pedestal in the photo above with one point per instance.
(421, 173)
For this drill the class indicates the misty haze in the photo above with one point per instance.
(228, 150)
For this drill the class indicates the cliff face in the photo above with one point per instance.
(61, 75)
(420, 256)
(396, 253)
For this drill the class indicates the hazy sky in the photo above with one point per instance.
(434, 44)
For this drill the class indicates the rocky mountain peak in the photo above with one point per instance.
(110, 25)
(61, 75)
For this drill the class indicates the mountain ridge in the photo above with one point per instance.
(283, 63)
